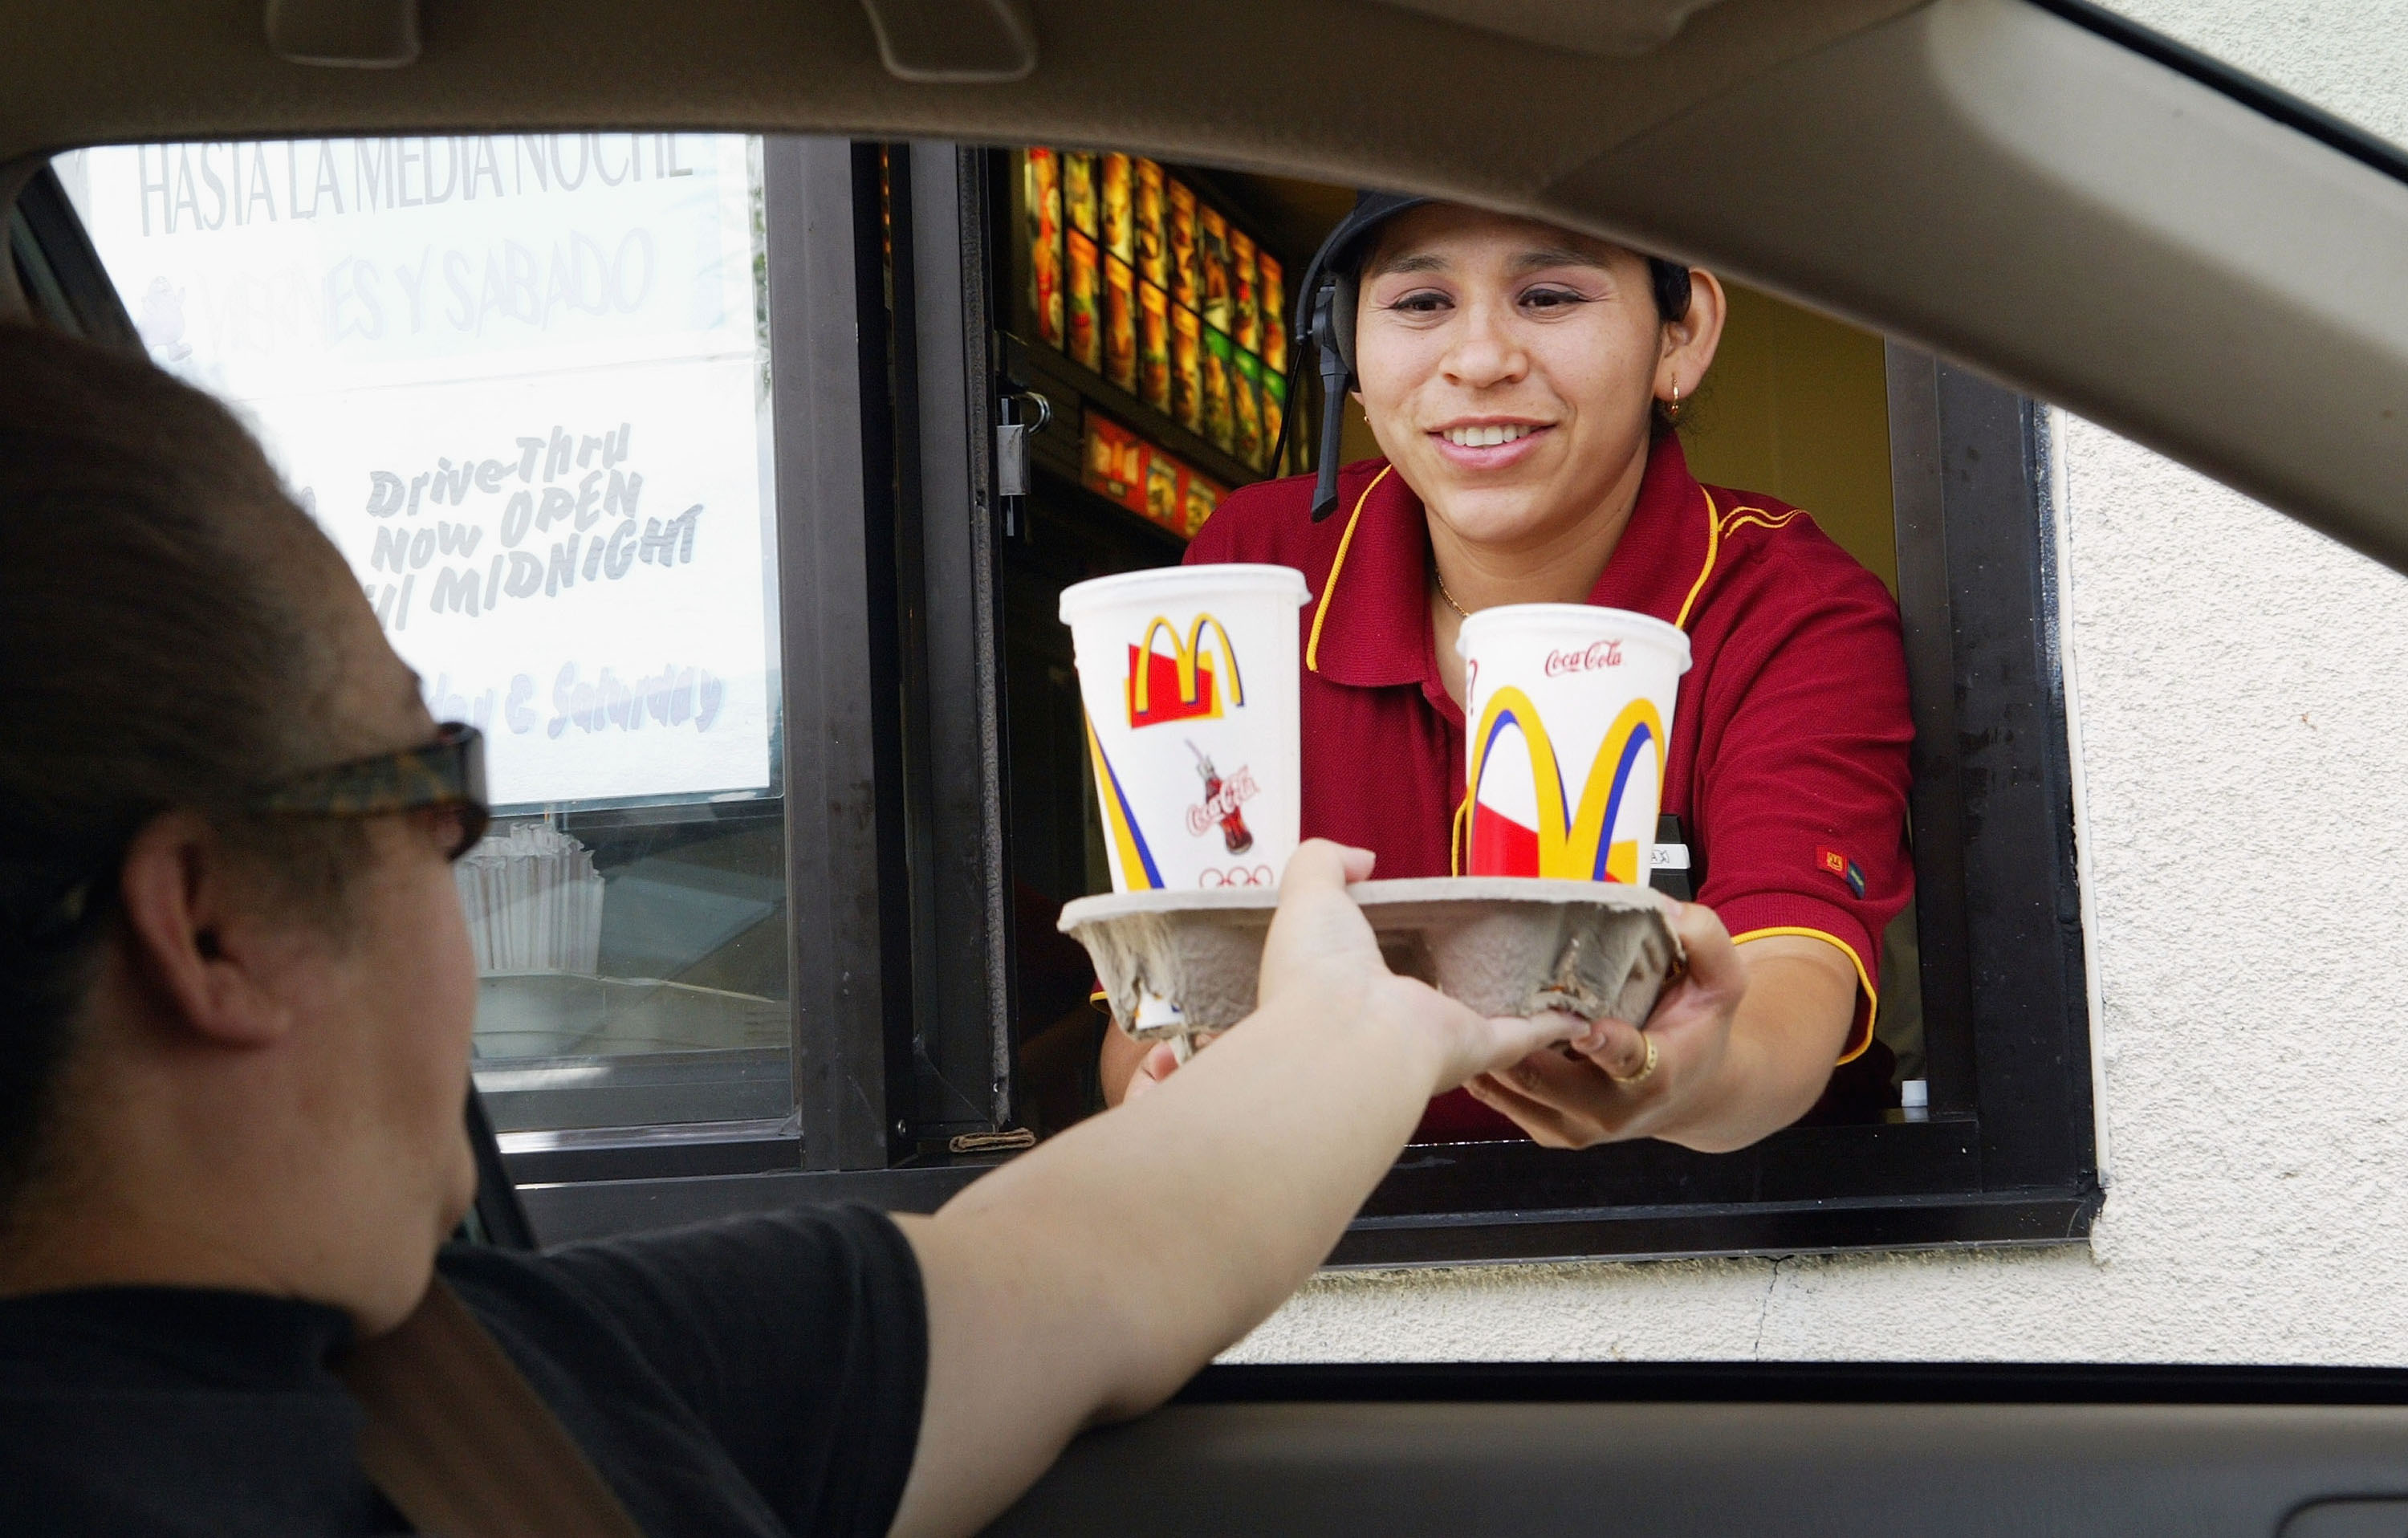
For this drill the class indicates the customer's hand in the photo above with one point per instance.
(1322, 959)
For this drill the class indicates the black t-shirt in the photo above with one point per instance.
(761, 1375)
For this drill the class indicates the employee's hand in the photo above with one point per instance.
(1161, 1060)
(1743, 1045)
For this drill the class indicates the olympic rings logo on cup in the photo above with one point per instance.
(1238, 875)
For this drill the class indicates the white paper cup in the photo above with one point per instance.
(1189, 679)
(1568, 713)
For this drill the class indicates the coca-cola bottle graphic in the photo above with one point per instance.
(1234, 831)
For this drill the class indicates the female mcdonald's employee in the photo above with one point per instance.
(1523, 382)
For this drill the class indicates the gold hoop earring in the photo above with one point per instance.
(1674, 409)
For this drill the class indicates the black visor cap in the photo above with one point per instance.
(1344, 249)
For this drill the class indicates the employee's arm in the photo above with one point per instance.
(1087, 1279)
(1744, 1045)
(1118, 1062)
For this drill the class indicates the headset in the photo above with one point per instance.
(1330, 293)
(1324, 322)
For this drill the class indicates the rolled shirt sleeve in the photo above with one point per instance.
(1802, 776)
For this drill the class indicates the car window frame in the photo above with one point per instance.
(883, 397)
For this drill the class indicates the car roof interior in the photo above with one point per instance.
(1992, 179)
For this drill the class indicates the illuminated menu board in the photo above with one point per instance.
(1134, 277)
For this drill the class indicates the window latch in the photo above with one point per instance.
(1011, 458)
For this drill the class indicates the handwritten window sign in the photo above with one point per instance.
(522, 382)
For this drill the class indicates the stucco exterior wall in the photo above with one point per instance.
(2243, 697)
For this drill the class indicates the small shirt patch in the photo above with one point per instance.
(1844, 868)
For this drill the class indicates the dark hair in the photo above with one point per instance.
(161, 646)
(1670, 281)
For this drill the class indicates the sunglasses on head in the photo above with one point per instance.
(446, 775)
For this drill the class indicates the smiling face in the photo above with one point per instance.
(1510, 370)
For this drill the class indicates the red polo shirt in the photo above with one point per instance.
(1788, 762)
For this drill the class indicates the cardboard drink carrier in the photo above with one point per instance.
(1189, 677)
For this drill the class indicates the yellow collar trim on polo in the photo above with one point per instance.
(1713, 546)
(1741, 518)
(1321, 612)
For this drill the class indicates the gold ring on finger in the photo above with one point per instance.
(1632, 1081)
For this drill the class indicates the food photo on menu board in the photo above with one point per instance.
(1246, 395)
(1041, 184)
(1153, 247)
(1079, 191)
(1213, 240)
(1187, 369)
(1120, 324)
(1270, 286)
(1220, 417)
(1087, 303)
(1203, 495)
(1153, 346)
(1186, 280)
(1166, 494)
(1118, 235)
(524, 400)
(1147, 480)
(1115, 461)
(1245, 317)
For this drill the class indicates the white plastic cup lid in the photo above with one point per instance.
(1175, 585)
(1575, 620)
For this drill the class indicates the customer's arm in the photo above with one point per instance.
(1086, 1280)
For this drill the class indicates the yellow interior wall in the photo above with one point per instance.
(1797, 406)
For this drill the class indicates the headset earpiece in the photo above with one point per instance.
(1343, 303)
(1332, 330)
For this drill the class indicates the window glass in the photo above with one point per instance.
(2344, 56)
(522, 383)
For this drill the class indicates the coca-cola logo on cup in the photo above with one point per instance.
(1595, 657)
(1223, 800)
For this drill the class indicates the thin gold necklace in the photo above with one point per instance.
(1442, 593)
